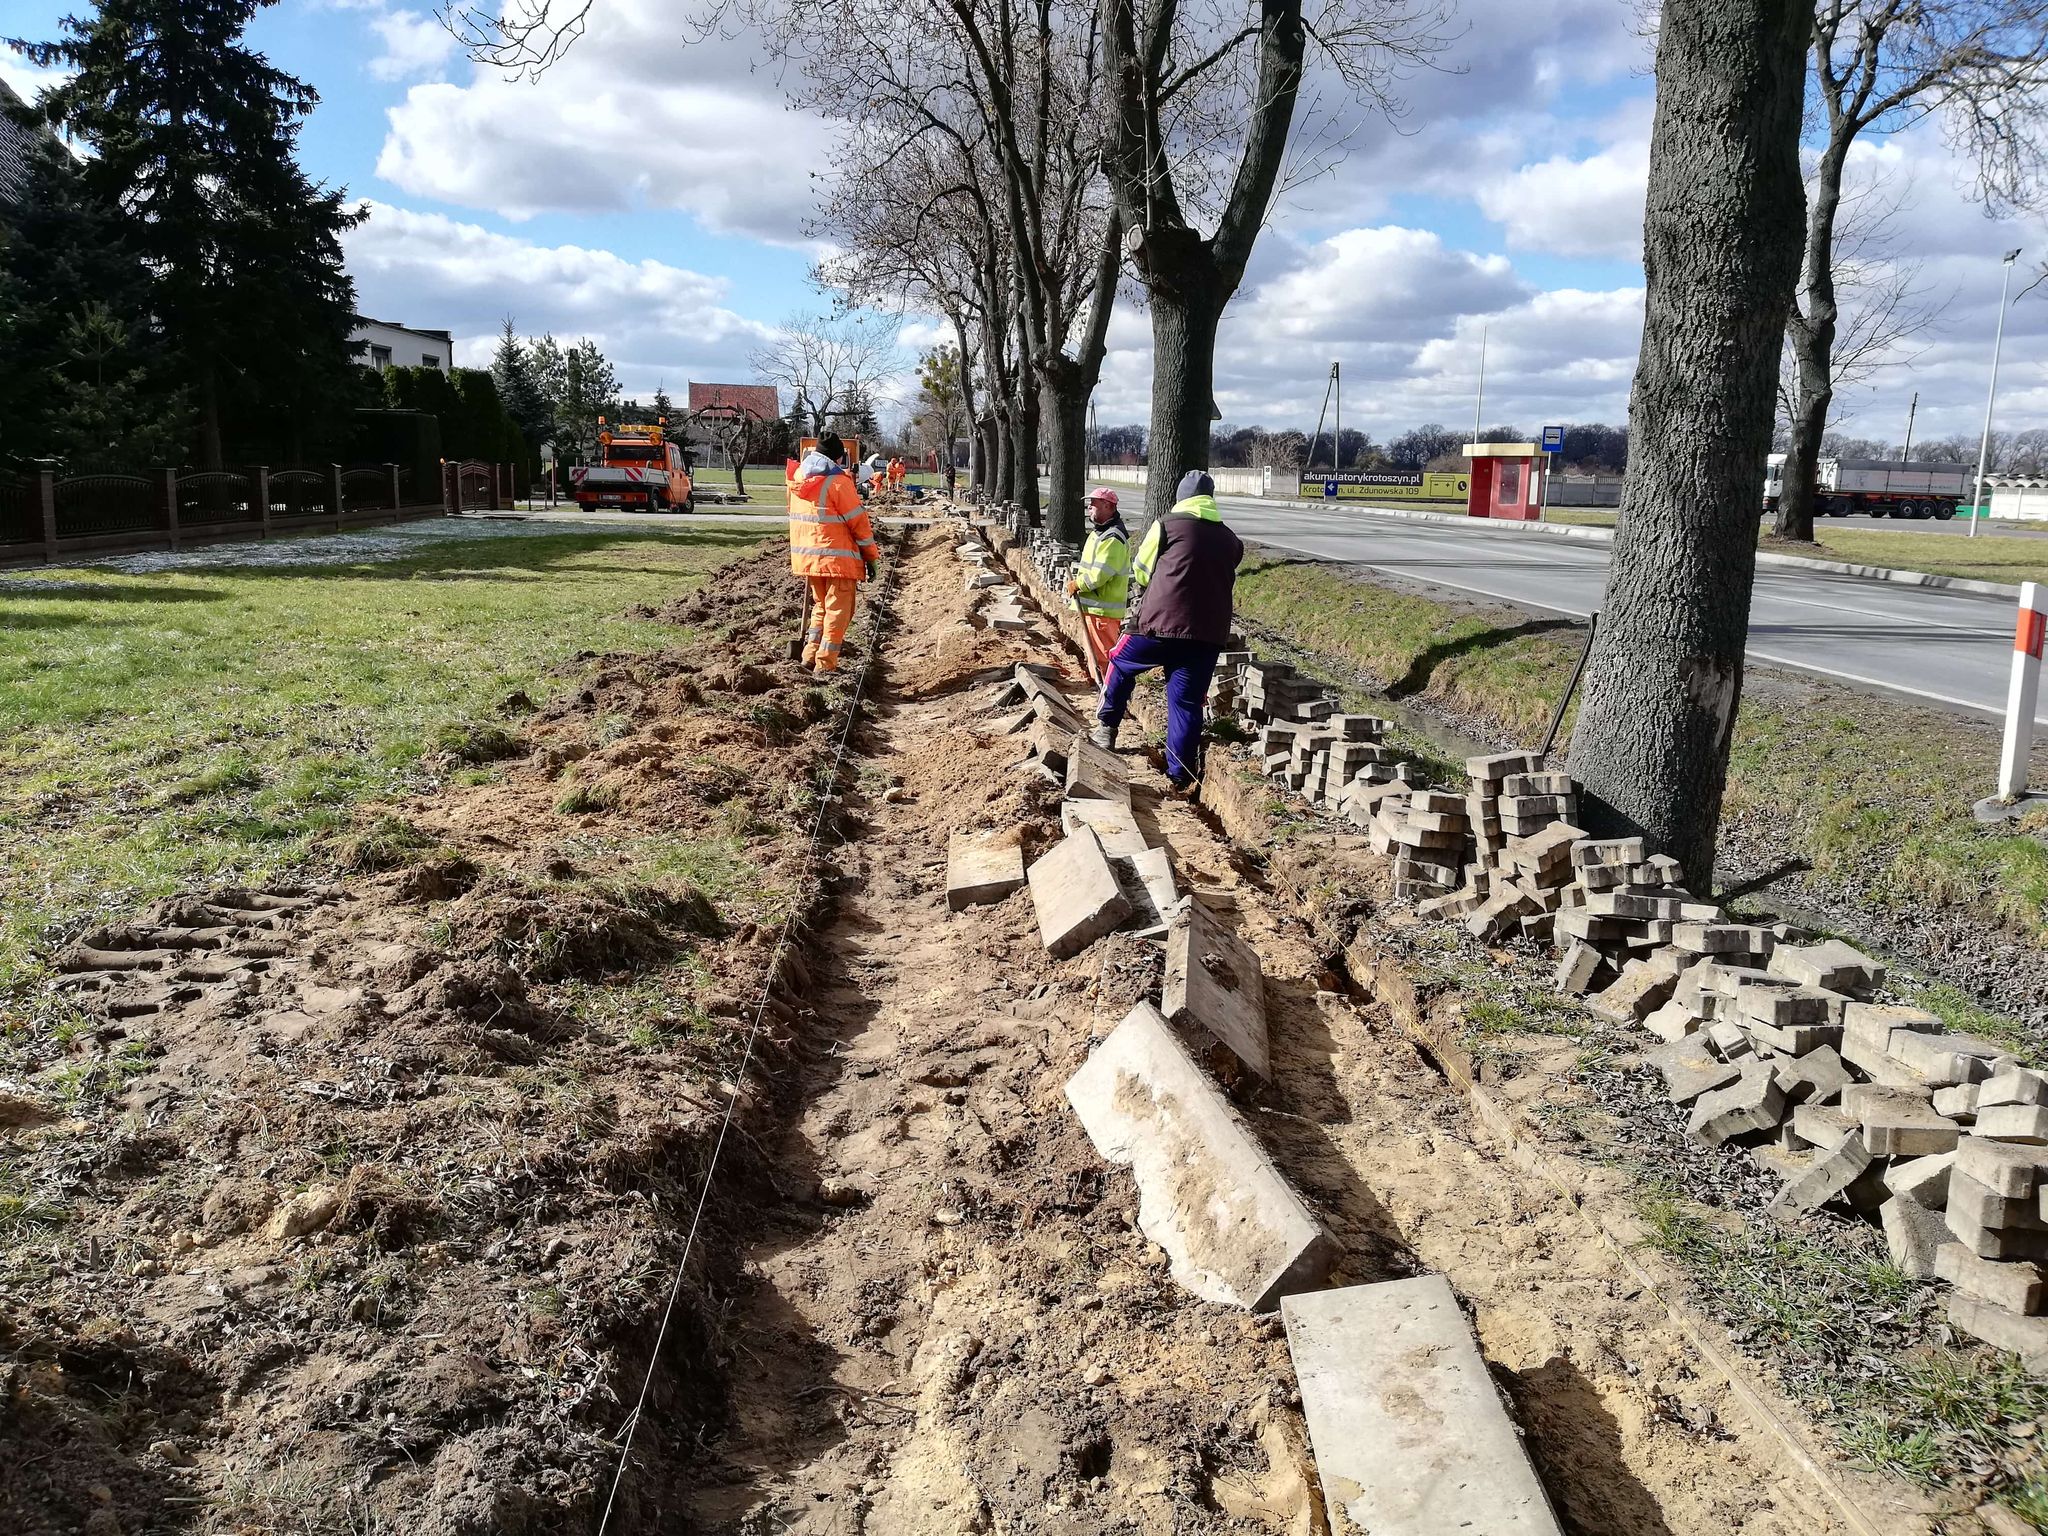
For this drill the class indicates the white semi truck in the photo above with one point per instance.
(1877, 488)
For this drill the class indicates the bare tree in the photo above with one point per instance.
(1981, 67)
(1721, 241)
(1203, 95)
(828, 363)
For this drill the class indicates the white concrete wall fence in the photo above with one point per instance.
(2028, 500)
(1229, 482)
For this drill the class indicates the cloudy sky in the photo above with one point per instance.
(652, 193)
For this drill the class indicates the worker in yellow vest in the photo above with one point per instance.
(1100, 586)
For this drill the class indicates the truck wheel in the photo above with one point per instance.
(1942, 510)
(654, 502)
(690, 502)
(1922, 510)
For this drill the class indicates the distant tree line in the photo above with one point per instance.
(1591, 448)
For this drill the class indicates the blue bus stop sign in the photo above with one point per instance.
(1329, 488)
(1553, 439)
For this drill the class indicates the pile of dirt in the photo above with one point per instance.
(354, 1205)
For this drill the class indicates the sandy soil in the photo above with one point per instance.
(960, 1330)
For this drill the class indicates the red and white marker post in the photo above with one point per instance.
(2024, 692)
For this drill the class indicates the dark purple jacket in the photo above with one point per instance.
(1188, 566)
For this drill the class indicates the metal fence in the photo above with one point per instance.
(21, 512)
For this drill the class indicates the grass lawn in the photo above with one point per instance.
(1870, 796)
(208, 723)
(1987, 557)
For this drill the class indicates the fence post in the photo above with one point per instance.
(2023, 693)
(494, 487)
(46, 494)
(261, 478)
(334, 494)
(171, 506)
(397, 498)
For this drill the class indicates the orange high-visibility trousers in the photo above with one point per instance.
(1103, 634)
(831, 614)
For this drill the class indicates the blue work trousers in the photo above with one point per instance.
(1188, 665)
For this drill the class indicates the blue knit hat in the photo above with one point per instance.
(1195, 482)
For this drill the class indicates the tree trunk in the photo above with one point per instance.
(1810, 329)
(1024, 453)
(1721, 241)
(1066, 411)
(1006, 456)
(1812, 395)
(1183, 387)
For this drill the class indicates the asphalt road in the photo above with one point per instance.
(1950, 647)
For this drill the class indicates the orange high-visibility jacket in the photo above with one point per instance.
(896, 470)
(829, 532)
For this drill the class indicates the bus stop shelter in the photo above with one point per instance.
(1507, 480)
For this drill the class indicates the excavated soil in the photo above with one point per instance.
(367, 1195)
(372, 1214)
(960, 1329)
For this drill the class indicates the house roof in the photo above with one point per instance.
(757, 400)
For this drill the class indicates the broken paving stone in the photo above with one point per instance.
(2026, 1337)
(1958, 1102)
(1923, 1180)
(1945, 1059)
(1906, 1126)
(2007, 1169)
(1818, 1125)
(1674, 1021)
(2015, 1285)
(1233, 1227)
(1691, 1069)
(1913, 1234)
(1831, 1173)
(1832, 965)
(2022, 1123)
(1579, 968)
(1638, 992)
(1095, 772)
(982, 867)
(1817, 1077)
(1213, 983)
(1754, 1102)
(2015, 1085)
(1146, 879)
(1977, 1205)
(1968, 1201)
(1112, 821)
(1409, 1432)
(1075, 894)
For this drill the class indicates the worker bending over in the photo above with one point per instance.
(1100, 585)
(872, 478)
(831, 545)
(896, 476)
(1187, 566)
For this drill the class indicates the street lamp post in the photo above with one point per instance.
(1991, 395)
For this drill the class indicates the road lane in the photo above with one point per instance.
(1950, 647)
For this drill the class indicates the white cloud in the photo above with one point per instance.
(632, 117)
(657, 323)
(414, 44)
(1587, 207)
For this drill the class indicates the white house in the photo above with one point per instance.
(387, 344)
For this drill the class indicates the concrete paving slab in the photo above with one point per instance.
(982, 867)
(1214, 985)
(1146, 879)
(1095, 772)
(1409, 1432)
(1075, 894)
(1234, 1228)
(1112, 821)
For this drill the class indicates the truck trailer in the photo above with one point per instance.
(1876, 488)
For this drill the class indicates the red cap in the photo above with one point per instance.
(1103, 493)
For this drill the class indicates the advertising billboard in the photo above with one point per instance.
(1381, 485)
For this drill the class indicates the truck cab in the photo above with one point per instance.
(641, 469)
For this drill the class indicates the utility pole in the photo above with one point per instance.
(1479, 405)
(1991, 395)
(1337, 435)
(1906, 453)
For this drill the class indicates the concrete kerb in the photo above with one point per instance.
(1597, 535)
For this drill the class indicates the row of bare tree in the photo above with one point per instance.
(1009, 163)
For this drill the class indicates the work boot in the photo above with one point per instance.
(1104, 736)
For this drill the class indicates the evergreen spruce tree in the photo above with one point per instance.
(65, 253)
(519, 388)
(193, 137)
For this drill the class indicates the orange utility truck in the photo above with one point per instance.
(642, 471)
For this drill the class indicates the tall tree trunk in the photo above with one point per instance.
(966, 409)
(1006, 456)
(1066, 413)
(1721, 241)
(1183, 385)
(1024, 451)
(1810, 328)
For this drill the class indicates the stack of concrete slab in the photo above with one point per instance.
(1273, 690)
(1428, 835)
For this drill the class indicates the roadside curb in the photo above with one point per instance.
(1596, 535)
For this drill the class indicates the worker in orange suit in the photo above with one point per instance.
(831, 545)
(896, 476)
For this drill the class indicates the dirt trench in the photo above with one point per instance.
(948, 1321)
